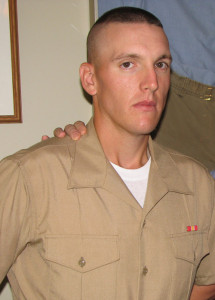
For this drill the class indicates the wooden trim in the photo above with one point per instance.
(17, 116)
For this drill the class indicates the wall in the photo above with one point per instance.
(52, 36)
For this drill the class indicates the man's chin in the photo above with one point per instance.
(146, 130)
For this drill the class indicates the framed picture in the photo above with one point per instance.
(10, 91)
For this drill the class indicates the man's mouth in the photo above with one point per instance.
(145, 105)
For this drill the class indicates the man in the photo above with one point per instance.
(71, 228)
(192, 89)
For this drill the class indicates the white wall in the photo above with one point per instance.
(52, 35)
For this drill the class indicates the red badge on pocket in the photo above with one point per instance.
(192, 228)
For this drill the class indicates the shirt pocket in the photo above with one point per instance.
(190, 247)
(82, 267)
(188, 250)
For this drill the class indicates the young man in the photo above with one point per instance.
(71, 227)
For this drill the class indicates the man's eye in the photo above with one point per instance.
(127, 65)
(161, 65)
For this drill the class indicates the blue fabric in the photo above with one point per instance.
(190, 28)
(213, 173)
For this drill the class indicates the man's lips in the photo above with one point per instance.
(145, 105)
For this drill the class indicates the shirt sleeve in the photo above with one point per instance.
(14, 214)
(206, 271)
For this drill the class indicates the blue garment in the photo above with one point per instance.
(213, 173)
(190, 28)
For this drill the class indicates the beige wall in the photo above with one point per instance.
(52, 36)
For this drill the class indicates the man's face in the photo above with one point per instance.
(132, 77)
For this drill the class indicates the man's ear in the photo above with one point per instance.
(87, 77)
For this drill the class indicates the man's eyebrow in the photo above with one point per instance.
(136, 56)
(165, 56)
(126, 56)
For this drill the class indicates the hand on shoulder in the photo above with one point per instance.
(74, 131)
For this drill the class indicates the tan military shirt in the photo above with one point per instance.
(70, 229)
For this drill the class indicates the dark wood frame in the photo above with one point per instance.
(17, 116)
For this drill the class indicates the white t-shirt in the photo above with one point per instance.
(136, 180)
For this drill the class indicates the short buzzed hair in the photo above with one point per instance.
(123, 14)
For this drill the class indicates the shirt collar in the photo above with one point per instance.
(89, 166)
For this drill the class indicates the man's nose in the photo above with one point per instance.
(149, 80)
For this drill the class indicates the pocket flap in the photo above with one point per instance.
(190, 246)
(82, 253)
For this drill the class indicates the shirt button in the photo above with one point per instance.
(82, 262)
(145, 271)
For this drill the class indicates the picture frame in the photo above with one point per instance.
(10, 97)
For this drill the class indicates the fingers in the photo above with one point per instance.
(45, 137)
(58, 132)
(74, 131)
(81, 127)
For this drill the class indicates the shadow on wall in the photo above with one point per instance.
(2, 285)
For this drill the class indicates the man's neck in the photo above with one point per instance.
(124, 149)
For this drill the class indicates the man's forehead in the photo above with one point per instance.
(117, 34)
(115, 38)
(119, 30)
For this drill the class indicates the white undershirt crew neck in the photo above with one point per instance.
(136, 180)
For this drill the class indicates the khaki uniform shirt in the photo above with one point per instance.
(70, 229)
